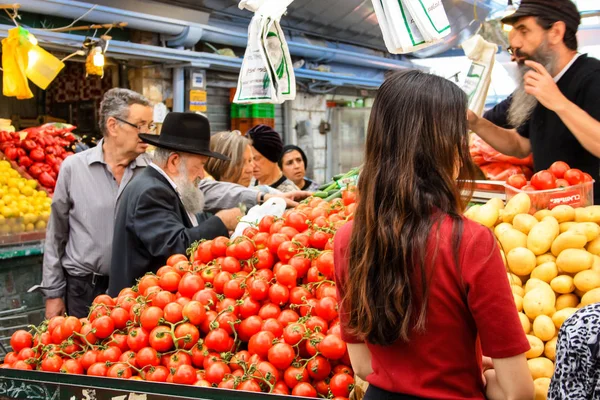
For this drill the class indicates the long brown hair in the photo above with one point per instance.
(417, 136)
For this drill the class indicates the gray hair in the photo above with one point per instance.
(232, 144)
(116, 103)
(161, 156)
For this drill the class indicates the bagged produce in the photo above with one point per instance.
(479, 77)
(267, 75)
(484, 153)
(14, 63)
(410, 25)
(274, 207)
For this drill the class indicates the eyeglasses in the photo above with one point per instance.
(511, 51)
(151, 127)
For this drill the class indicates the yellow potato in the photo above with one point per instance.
(496, 203)
(568, 240)
(518, 302)
(511, 238)
(596, 265)
(519, 204)
(514, 279)
(540, 215)
(524, 222)
(594, 246)
(590, 230)
(587, 280)
(501, 228)
(545, 272)
(565, 226)
(521, 261)
(542, 235)
(550, 348)
(518, 290)
(588, 214)
(539, 302)
(536, 347)
(486, 215)
(561, 316)
(472, 211)
(543, 328)
(574, 260)
(525, 323)
(563, 213)
(591, 297)
(568, 300)
(542, 386)
(541, 367)
(562, 284)
(580, 294)
(534, 283)
(544, 258)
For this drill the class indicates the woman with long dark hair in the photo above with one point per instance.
(423, 291)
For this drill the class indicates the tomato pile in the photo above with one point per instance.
(257, 314)
(41, 152)
(559, 175)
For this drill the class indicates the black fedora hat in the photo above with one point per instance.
(185, 132)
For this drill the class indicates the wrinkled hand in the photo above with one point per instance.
(55, 307)
(230, 217)
(540, 84)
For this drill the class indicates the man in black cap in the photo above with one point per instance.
(159, 211)
(267, 149)
(555, 111)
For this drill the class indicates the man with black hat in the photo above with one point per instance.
(555, 111)
(268, 147)
(158, 212)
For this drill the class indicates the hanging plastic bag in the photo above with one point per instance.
(479, 77)
(15, 58)
(430, 17)
(279, 59)
(42, 67)
(274, 206)
(267, 75)
(404, 31)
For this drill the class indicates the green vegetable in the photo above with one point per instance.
(336, 195)
(321, 194)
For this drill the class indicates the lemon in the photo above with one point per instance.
(18, 228)
(27, 191)
(40, 225)
(4, 165)
(30, 227)
(13, 173)
(32, 183)
(44, 215)
(14, 191)
(6, 212)
(3, 179)
(4, 229)
(41, 193)
(8, 198)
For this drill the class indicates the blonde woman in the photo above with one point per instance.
(239, 149)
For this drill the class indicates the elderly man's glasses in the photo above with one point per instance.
(150, 128)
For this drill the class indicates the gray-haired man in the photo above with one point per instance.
(80, 230)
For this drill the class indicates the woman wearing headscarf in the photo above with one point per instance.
(293, 163)
(267, 147)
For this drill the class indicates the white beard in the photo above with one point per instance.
(523, 104)
(191, 196)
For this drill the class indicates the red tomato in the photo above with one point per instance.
(173, 312)
(194, 311)
(219, 246)
(260, 343)
(169, 281)
(190, 284)
(146, 282)
(120, 316)
(304, 389)
(297, 220)
(517, 181)
(341, 385)
(104, 327)
(318, 368)
(20, 340)
(332, 347)
(119, 370)
(281, 355)
(161, 339)
(187, 336)
(574, 176)
(150, 317)
(175, 258)
(294, 375)
(287, 275)
(69, 326)
(294, 333)
(249, 327)
(543, 180)
(185, 375)
(72, 366)
(52, 363)
(559, 168)
(562, 183)
(528, 188)
(98, 369)
(216, 372)
(138, 338)
(89, 358)
(587, 177)
(217, 340)
(147, 356)
(111, 353)
(157, 374)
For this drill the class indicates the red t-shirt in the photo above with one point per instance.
(465, 314)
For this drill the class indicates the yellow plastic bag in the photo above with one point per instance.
(42, 67)
(15, 50)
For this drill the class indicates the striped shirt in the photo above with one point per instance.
(80, 229)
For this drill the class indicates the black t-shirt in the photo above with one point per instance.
(550, 139)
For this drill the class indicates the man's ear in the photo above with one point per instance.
(173, 162)
(111, 126)
(556, 34)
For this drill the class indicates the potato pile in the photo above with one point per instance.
(553, 262)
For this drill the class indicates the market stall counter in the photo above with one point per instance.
(38, 385)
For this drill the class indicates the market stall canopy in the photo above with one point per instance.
(353, 21)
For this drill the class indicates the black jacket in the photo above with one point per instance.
(151, 224)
